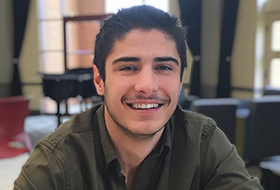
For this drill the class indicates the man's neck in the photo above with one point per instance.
(131, 151)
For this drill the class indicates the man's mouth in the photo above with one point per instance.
(142, 106)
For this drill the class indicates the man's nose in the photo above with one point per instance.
(146, 82)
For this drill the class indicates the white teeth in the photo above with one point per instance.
(144, 106)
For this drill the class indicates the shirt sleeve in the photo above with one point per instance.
(222, 167)
(43, 170)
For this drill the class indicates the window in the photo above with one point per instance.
(51, 41)
(50, 27)
(51, 13)
(112, 6)
(274, 78)
(272, 47)
(275, 72)
(275, 38)
(50, 22)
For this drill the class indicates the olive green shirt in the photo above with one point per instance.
(192, 154)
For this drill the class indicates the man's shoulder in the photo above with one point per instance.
(192, 121)
(192, 116)
(78, 126)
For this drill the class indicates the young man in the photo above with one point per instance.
(139, 138)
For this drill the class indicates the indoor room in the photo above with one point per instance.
(232, 75)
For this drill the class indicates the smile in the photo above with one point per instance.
(144, 106)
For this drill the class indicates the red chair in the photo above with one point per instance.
(13, 139)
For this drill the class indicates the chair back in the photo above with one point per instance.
(222, 110)
(13, 111)
(269, 90)
(185, 101)
(263, 130)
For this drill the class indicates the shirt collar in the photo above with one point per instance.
(109, 154)
(106, 142)
(165, 143)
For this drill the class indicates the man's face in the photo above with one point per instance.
(142, 83)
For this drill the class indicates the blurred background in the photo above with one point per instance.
(254, 59)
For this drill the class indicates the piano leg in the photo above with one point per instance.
(58, 113)
(66, 107)
(81, 105)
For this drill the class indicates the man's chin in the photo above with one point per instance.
(141, 134)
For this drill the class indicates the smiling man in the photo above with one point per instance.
(139, 138)
(142, 84)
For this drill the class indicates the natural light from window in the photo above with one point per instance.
(112, 6)
(79, 36)
(275, 72)
(275, 38)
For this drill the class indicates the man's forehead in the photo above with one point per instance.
(141, 31)
(138, 36)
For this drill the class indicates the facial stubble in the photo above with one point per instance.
(124, 128)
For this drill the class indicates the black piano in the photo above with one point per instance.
(73, 83)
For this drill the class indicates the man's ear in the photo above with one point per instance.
(97, 80)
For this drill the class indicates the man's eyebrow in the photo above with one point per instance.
(126, 59)
(162, 59)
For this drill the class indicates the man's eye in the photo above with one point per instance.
(128, 68)
(164, 67)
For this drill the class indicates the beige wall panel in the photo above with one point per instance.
(272, 6)
(243, 55)
(6, 41)
(187, 72)
(29, 58)
(242, 94)
(174, 9)
(36, 93)
(210, 38)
